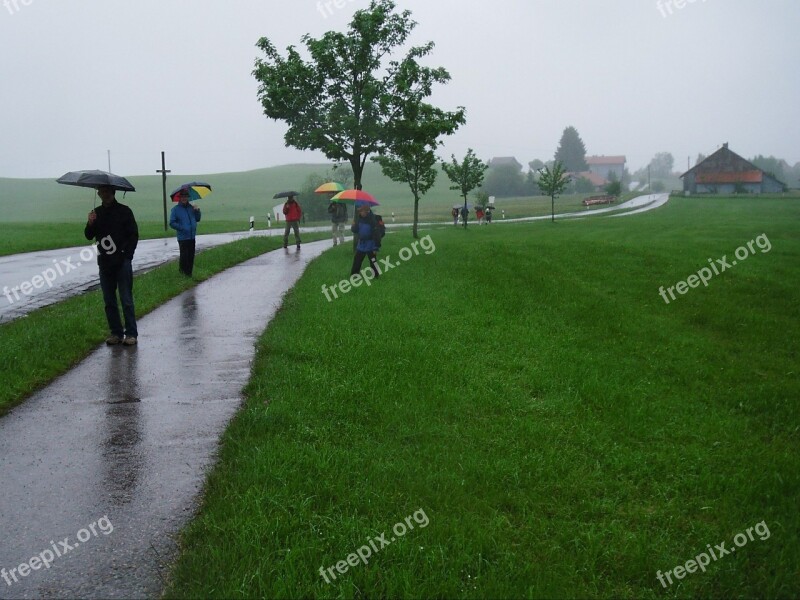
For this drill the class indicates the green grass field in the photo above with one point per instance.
(525, 388)
(37, 214)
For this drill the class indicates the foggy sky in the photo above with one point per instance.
(635, 77)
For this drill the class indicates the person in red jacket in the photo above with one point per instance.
(293, 214)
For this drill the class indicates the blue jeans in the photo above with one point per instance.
(113, 278)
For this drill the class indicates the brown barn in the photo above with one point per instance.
(725, 172)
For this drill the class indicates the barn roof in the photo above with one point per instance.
(722, 162)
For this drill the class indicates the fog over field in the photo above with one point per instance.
(635, 77)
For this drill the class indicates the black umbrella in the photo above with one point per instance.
(95, 179)
(285, 195)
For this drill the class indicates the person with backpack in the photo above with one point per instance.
(454, 214)
(370, 230)
(338, 213)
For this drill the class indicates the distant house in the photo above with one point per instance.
(725, 172)
(605, 165)
(504, 161)
(598, 182)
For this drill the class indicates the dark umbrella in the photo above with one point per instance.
(285, 195)
(96, 179)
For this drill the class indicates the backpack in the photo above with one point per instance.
(340, 211)
(379, 230)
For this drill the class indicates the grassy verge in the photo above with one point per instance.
(565, 432)
(37, 348)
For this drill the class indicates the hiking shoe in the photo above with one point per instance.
(129, 341)
(113, 340)
(298, 246)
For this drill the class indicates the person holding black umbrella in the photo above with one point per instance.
(115, 221)
(293, 214)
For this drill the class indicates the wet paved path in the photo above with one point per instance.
(72, 271)
(124, 440)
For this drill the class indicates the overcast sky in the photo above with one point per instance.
(635, 77)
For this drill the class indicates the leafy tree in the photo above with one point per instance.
(571, 151)
(583, 186)
(661, 165)
(466, 175)
(700, 158)
(481, 199)
(658, 187)
(531, 188)
(315, 206)
(504, 181)
(416, 168)
(770, 165)
(347, 98)
(411, 157)
(536, 164)
(553, 183)
(613, 187)
(341, 173)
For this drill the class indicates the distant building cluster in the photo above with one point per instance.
(601, 169)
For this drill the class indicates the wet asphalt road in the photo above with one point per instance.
(66, 272)
(125, 439)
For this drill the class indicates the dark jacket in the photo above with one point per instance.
(370, 231)
(338, 212)
(117, 221)
(184, 220)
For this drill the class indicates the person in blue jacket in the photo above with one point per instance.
(184, 219)
(370, 230)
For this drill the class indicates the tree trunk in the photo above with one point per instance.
(553, 207)
(416, 216)
(355, 163)
(465, 211)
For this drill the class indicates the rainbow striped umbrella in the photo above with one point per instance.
(196, 189)
(332, 187)
(355, 196)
